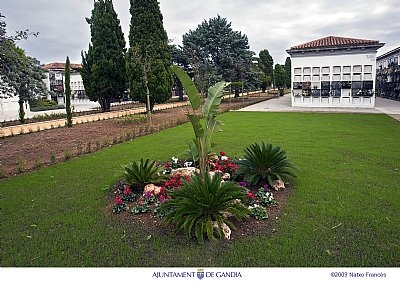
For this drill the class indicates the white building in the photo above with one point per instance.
(334, 72)
(55, 79)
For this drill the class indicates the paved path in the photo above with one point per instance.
(282, 104)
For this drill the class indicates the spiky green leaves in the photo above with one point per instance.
(265, 163)
(199, 202)
(142, 172)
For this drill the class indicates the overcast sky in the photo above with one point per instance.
(275, 25)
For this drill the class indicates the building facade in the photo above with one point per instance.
(55, 79)
(334, 72)
(388, 75)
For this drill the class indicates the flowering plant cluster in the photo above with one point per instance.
(127, 194)
(257, 202)
(221, 163)
(266, 197)
(258, 212)
(175, 163)
(119, 205)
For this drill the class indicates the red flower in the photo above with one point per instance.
(167, 165)
(127, 190)
(187, 179)
(250, 195)
(118, 200)
(222, 153)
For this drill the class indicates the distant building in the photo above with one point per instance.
(388, 75)
(334, 72)
(55, 79)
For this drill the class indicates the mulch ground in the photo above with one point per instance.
(27, 152)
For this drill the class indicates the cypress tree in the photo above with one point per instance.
(103, 65)
(68, 92)
(149, 56)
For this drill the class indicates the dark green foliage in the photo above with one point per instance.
(142, 172)
(279, 76)
(288, 72)
(149, 56)
(68, 92)
(201, 201)
(265, 163)
(216, 52)
(266, 64)
(19, 74)
(103, 65)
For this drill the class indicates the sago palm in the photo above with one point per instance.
(265, 163)
(139, 173)
(198, 203)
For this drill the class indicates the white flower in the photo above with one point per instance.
(175, 160)
(224, 158)
(187, 164)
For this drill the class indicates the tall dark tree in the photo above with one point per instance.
(68, 109)
(217, 52)
(103, 65)
(279, 73)
(149, 56)
(266, 63)
(288, 72)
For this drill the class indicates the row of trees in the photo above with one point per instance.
(210, 53)
(20, 74)
(107, 67)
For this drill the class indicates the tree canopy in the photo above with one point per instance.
(279, 73)
(216, 52)
(149, 56)
(288, 72)
(266, 64)
(103, 65)
(19, 74)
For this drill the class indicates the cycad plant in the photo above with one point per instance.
(265, 163)
(140, 173)
(198, 203)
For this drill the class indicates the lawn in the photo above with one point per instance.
(344, 210)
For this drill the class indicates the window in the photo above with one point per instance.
(325, 70)
(315, 78)
(347, 69)
(297, 71)
(315, 70)
(306, 78)
(297, 78)
(336, 69)
(367, 68)
(325, 77)
(357, 69)
(307, 70)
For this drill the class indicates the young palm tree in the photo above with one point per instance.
(198, 203)
(265, 162)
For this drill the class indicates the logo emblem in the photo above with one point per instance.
(200, 273)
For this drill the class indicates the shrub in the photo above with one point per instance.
(199, 202)
(132, 119)
(265, 163)
(142, 172)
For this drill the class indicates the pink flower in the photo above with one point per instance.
(127, 190)
(162, 199)
(167, 165)
(118, 200)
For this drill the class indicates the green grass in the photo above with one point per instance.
(344, 210)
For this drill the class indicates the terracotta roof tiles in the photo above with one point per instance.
(333, 41)
(59, 65)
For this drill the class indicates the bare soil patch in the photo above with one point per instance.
(27, 152)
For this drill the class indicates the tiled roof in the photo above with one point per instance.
(333, 41)
(59, 65)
